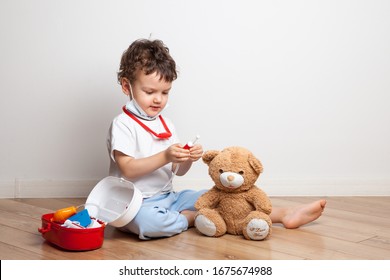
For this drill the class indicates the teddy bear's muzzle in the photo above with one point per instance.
(231, 180)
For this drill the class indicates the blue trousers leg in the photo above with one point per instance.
(160, 216)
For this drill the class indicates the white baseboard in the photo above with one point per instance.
(274, 187)
(46, 188)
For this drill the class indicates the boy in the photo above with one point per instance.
(144, 148)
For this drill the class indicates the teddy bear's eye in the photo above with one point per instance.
(241, 172)
(221, 171)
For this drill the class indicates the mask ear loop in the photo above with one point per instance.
(131, 92)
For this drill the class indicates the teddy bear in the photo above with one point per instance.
(234, 204)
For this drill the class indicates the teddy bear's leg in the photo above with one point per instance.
(257, 226)
(210, 223)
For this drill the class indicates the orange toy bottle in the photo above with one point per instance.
(63, 214)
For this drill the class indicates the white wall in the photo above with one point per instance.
(304, 84)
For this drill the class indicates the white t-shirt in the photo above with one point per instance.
(129, 137)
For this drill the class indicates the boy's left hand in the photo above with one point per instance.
(196, 152)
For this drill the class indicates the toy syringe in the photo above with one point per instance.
(191, 143)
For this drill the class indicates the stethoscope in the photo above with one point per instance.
(164, 135)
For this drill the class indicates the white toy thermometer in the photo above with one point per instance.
(191, 143)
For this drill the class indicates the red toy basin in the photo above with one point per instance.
(70, 238)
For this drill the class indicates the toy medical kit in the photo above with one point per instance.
(112, 201)
(72, 239)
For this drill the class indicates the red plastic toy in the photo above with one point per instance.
(71, 239)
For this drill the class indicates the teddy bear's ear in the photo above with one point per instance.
(209, 156)
(255, 163)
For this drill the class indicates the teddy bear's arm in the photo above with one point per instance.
(209, 199)
(260, 200)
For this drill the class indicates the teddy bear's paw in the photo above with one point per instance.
(257, 229)
(205, 226)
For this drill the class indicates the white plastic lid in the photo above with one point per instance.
(115, 201)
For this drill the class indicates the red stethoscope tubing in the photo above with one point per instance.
(163, 135)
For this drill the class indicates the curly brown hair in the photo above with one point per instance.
(149, 56)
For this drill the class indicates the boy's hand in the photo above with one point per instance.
(196, 152)
(177, 154)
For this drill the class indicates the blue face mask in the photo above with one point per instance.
(133, 107)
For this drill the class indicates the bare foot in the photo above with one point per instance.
(190, 216)
(303, 214)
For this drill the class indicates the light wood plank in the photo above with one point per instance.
(350, 228)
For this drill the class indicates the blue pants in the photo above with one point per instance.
(160, 216)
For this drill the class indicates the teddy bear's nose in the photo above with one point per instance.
(230, 178)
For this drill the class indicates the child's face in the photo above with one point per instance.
(150, 92)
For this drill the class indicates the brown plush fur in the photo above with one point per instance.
(229, 208)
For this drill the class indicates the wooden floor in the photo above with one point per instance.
(350, 228)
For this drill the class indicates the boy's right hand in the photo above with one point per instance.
(177, 154)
